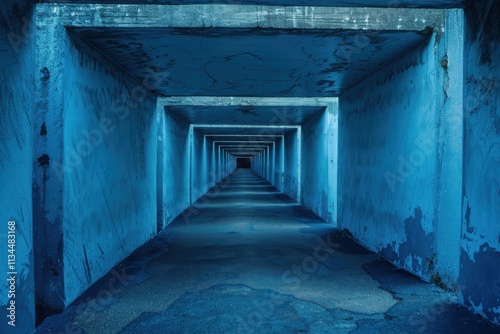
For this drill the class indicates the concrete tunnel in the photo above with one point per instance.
(250, 167)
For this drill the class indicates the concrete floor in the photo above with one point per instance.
(252, 261)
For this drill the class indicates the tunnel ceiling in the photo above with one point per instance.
(253, 133)
(240, 139)
(248, 62)
(332, 3)
(258, 115)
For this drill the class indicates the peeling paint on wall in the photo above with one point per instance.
(416, 253)
(480, 277)
(390, 162)
(480, 258)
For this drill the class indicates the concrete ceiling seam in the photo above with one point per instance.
(316, 3)
(245, 101)
(245, 126)
(259, 110)
(244, 16)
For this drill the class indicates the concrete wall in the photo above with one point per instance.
(257, 164)
(272, 163)
(203, 173)
(332, 124)
(231, 163)
(198, 165)
(400, 158)
(210, 174)
(319, 171)
(314, 176)
(269, 166)
(278, 163)
(110, 150)
(16, 164)
(480, 258)
(175, 187)
(292, 164)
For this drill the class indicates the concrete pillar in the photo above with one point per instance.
(332, 144)
(292, 163)
(176, 168)
(161, 213)
(48, 171)
(450, 150)
(273, 164)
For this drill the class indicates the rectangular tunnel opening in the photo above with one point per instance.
(376, 145)
(244, 163)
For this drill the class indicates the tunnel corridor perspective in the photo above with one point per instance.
(250, 167)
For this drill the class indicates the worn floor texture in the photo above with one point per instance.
(250, 260)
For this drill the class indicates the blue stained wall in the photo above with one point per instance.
(257, 164)
(110, 149)
(269, 166)
(480, 257)
(175, 187)
(319, 170)
(16, 119)
(199, 166)
(292, 161)
(315, 168)
(231, 163)
(400, 158)
(278, 163)
(210, 174)
(332, 123)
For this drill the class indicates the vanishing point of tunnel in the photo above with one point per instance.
(252, 166)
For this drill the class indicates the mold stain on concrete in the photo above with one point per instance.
(480, 281)
(44, 161)
(45, 74)
(470, 229)
(43, 130)
(417, 242)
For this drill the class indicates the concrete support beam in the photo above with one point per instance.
(48, 176)
(450, 151)
(160, 198)
(220, 101)
(332, 121)
(244, 16)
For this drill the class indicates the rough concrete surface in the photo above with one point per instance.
(254, 261)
